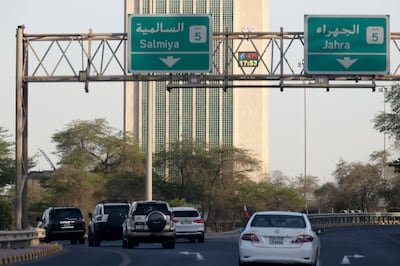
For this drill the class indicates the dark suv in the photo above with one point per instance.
(63, 223)
(149, 222)
(106, 221)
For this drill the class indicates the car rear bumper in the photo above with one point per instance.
(108, 232)
(65, 235)
(151, 237)
(248, 253)
(188, 234)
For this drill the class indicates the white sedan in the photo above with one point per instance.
(279, 237)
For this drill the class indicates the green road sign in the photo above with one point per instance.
(170, 43)
(346, 45)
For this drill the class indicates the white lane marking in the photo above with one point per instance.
(125, 259)
(198, 255)
(346, 259)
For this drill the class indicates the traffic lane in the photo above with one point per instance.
(77, 255)
(213, 252)
(367, 246)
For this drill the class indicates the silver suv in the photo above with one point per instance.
(149, 222)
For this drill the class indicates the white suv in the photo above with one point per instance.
(149, 222)
(188, 223)
(105, 222)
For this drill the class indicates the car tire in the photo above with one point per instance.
(170, 244)
(156, 221)
(82, 241)
(90, 242)
(192, 239)
(200, 239)
(96, 239)
(316, 263)
(74, 241)
(130, 243)
(241, 263)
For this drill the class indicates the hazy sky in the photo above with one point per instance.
(338, 122)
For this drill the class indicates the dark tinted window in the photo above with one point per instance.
(185, 213)
(65, 214)
(116, 209)
(146, 208)
(288, 221)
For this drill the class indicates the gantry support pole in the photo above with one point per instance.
(21, 133)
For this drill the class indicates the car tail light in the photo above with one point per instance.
(303, 239)
(175, 221)
(250, 237)
(199, 221)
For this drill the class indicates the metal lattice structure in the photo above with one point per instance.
(99, 57)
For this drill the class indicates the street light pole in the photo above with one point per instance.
(305, 144)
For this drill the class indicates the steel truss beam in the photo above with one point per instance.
(91, 57)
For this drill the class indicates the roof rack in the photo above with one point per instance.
(113, 201)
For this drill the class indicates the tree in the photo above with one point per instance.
(359, 185)
(97, 162)
(7, 163)
(327, 197)
(6, 215)
(91, 146)
(206, 177)
(389, 121)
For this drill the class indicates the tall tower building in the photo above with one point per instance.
(237, 116)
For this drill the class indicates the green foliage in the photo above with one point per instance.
(6, 219)
(93, 146)
(359, 185)
(179, 203)
(97, 162)
(205, 177)
(7, 164)
(389, 121)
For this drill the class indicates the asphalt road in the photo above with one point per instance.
(372, 246)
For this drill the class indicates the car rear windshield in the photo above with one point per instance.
(186, 213)
(287, 221)
(65, 214)
(116, 209)
(144, 209)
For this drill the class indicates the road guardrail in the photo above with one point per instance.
(333, 220)
(21, 238)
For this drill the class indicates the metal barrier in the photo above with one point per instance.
(332, 220)
(21, 238)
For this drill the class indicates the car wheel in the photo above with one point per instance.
(130, 243)
(82, 241)
(90, 242)
(241, 263)
(96, 240)
(74, 241)
(170, 244)
(316, 263)
(201, 238)
(192, 239)
(156, 221)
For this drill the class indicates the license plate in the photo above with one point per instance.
(67, 226)
(276, 240)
